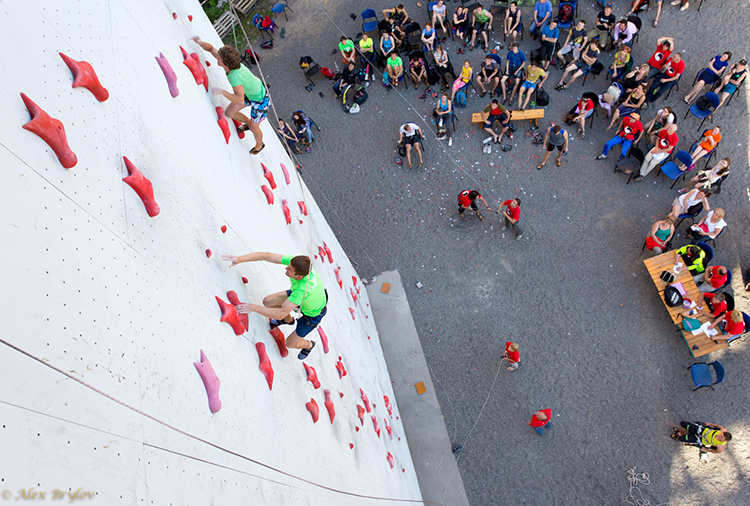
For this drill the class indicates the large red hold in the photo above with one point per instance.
(312, 375)
(375, 425)
(365, 400)
(192, 65)
(199, 65)
(388, 429)
(329, 404)
(278, 336)
(264, 364)
(312, 407)
(389, 458)
(142, 187)
(323, 338)
(286, 174)
(302, 207)
(169, 74)
(234, 300)
(84, 75)
(361, 414)
(340, 369)
(230, 315)
(287, 213)
(352, 312)
(237, 125)
(268, 175)
(328, 252)
(268, 192)
(338, 277)
(51, 131)
(388, 405)
(222, 121)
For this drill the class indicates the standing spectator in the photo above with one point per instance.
(670, 73)
(443, 66)
(464, 78)
(410, 135)
(583, 109)
(630, 105)
(467, 199)
(348, 54)
(443, 115)
(731, 323)
(709, 227)
(511, 216)
(461, 22)
(514, 64)
(635, 77)
(666, 141)
(661, 234)
(428, 37)
(535, 78)
(496, 112)
(711, 279)
(711, 138)
(684, 203)
(488, 76)
(511, 355)
(288, 135)
(575, 41)
(482, 19)
(707, 178)
(418, 72)
(542, 14)
(685, 4)
(630, 132)
(582, 66)
(513, 22)
(664, 48)
(540, 420)
(394, 68)
(550, 34)
(639, 5)
(622, 61)
(555, 138)
(731, 80)
(709, 75)
(605, 21)
(367, 52)
(438, 16)
(624, 33)
(664, 117)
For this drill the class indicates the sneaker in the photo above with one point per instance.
(275, 323)
(450, 142)
(504, 227)
(518, 237)
(684, 8)
(304, 353)
(639, 178)
(676, 2)
(682, 190)
(601, 157)
(704, 458)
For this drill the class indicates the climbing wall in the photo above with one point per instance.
(120, 193)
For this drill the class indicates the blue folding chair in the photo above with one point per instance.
(369, 21)
(702, 377)
(701, 114)
(281, 7)
(707, 239)
(672, 171)
(708, 251)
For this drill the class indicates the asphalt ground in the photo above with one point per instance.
(597, 345)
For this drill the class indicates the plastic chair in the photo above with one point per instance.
(689, 216)
(708, 239)
(281, 7)
(497, 58)
(633, 18)
(702, 115)
(672, 171)
(676, 87)
(413, 33)
(369, 21)
(702, 377)
(631, 163)
(708, 251)
(309, 67)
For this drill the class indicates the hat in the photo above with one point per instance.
(743, 62)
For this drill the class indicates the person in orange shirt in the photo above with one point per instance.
(709, 141)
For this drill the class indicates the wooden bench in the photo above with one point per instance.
(243, 6)
(225, 23)
(530, 114)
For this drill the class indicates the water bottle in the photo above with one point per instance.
(336, 66)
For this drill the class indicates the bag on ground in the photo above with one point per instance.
(542, 97)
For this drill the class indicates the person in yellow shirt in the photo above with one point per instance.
(535, 77)
(367, 55)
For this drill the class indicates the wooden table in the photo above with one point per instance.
(700, 344)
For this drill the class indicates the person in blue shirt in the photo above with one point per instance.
(550, 34)
(709, 75)
(514, 64)
(542, 15)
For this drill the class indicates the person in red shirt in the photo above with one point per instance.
(666, 140)
(712, 278)
(540, 420)
(664, 48)
(511, 215)
(670, 73)
(511, 355)
(716, 304)
(730, 323)
(630, 132)
(578, 114)
(467, 199)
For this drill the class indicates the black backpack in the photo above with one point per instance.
(703, 103)
(672, 296)
(542, 97)
(360, 96)
(597, 68)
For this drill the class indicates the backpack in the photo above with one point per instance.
(267, 44)
(250, 56)
(703, 103)
(460, 100)
(597, 68)
(615, 91)
(542, 97)
(565, 14)
(360, 96)
(672, 296)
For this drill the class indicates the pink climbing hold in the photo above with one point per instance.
(354, 316)
(328, 252)
(264, 364)
(192, 65)
(388, 429)
(340, 369)
(142, 187)
(169, 74)
(312, 407)
(268, 175)
(84, 75)
(338, 277)
(323, 338)
(365, 400)
(245, 280)
(234, 300)
(268, 192)
(329, 405)
(199, 65)
(51, 131)
(190, 18)
(286, 174)
(302, 208)
(222, 121)
(389, 458)
(278, 336)
(223, 229)
(312, 376)
(361, 414)
(237, 125)
(229, 315)
(388, 405)
(287, 213)
(375, 425)
(210, 382)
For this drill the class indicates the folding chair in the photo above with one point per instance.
(701, 114)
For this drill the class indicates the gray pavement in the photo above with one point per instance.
(597, 345)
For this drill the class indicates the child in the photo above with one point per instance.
(511, 355)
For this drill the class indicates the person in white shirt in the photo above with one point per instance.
(709, 227)
(410, 135)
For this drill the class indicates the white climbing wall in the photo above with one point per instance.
(96, 288)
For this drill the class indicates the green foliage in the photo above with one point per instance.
(210, 7)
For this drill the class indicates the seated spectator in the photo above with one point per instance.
(349, 55)
(550, 34)
(667, 77)
(304, 126)
(513, 24)
(605, 21)
(660, 236)
(639, 5)
(464, 78)
(496, 112)
(439, 16)
(705, 179)
(631, 104)
(394, 69)
(542, 15)
(578, 114)
(367, 51)
(481, 20)
(461, 22)
(691, 258)
(635, 77)
(514, 64)
(623, 36)
(535, 77)
(710, 140)
(715, 304)
(622, 61)
(629, 133)
(709, 227)
(288, 135)
(443, 66)
(666, 141)
(428, 37)
(574, 43)
(489, 76)
(731, 80)
(730, 323)
(689, 201)
(711, 74)
(580, 67)
(410, 135)
(397, 17)
(664, 48)
(348, 77)
(443, 113)
(664, 117)
(418, 72)
(387, 46)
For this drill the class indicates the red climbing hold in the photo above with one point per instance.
(322, 254)
(142, 187)
(389, 458)
(356, 429)
(312, 376)
(192, 65)
(223, 229)
(210, 381)
(312, 407)
(323, 338)
(328, 252)
(388, 429)
(174, 15)
(268, 192)
(338, 277)
(286, 174)
(278, 336)
(388, 405)
(84, 75)
(341, 394)
(375, 425)
(354, 296)
(365, 400)
(229, 315)
(268, 175)
(302, 208)
(208, 253)
(234, 300)
(361, 414)
(354, 316)
(264, 364)
(287, 213)
(237, 125)
(329, 404)
(190, 18)
(245, 280)
(354, 280)
(208, 64)
(169, 74)
(199, 65)
(222, 121)
(351, 446)
(51, 131)
(340, 369)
